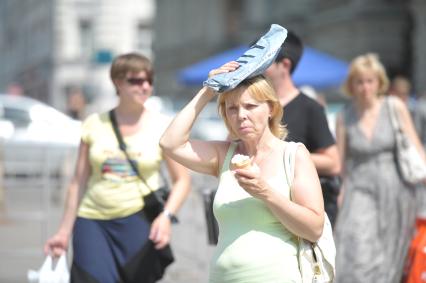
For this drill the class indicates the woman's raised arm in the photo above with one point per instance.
(197, 155)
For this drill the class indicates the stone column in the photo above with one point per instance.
(418, 8)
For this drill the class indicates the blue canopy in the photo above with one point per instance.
(316, 68)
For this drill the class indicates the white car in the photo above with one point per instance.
(36, 139)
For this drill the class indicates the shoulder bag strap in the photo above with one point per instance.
(123, 147)
(289, 163)
(393, 115)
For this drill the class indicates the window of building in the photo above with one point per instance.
(234, 18)
(144, 39)
(86, 38)
(330, 4)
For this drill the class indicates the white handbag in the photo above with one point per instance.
(50, 272)
(410, 164)
(316, 260)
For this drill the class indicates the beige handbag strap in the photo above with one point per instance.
(324, 249)
(393, 115)
(289, 164)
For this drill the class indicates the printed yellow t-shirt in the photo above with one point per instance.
(113, 189)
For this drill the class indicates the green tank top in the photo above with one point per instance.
(253, 246)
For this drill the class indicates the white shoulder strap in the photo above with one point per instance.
(393, 114)
(289, 163)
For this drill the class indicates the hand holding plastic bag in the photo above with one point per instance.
(48, 273)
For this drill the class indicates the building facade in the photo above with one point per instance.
(195, 29)
(53, 47)
(26, 45)
(418, 10)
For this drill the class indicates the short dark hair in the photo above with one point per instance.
(130, 62)
(291, 49)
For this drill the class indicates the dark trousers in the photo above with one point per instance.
(330, 190)
(116, 251)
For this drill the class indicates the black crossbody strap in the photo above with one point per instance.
(123, 147)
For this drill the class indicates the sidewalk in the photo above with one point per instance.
(28, 225)
(190, 242)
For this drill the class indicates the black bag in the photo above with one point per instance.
(153, 207)
(153, 262)
(211, 223)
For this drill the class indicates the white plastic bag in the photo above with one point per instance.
(50, 273)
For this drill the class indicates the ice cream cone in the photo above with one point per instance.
(240, 161)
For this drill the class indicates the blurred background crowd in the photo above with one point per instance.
(55, 57)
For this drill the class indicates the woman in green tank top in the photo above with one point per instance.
(258, 223)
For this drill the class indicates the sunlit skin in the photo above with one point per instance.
(246, 115)
(134, 93)
(365, 86)
(248, 120)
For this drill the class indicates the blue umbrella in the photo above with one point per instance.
(320, 70)
(197, 73)
(317, 69)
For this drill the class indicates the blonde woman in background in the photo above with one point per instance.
(377, 213)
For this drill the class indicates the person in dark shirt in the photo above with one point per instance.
(309, 125)
(306, 121)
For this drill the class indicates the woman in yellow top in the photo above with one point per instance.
(257, 220)
(113, 241)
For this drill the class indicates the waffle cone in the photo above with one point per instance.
(245, 164)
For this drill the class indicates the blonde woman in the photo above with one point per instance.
(257, 220)
(377, 213)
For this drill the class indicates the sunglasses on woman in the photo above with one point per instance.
(139, 81)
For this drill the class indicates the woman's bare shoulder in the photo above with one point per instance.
(223, 146)
(302, 152)
(299, 145)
